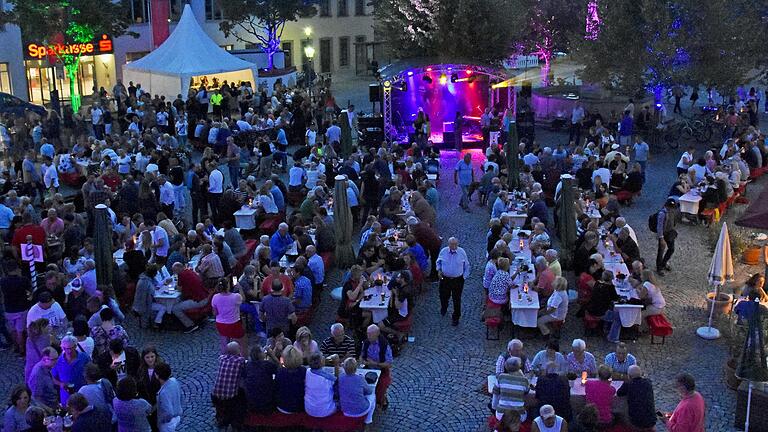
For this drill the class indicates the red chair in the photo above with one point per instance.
(556, 327)
(591, 323)
(328, 259)
(493, 323)
(337, 422)
(405, 325)
(304, 318)
(659, 326)
(126, 300)
(269, 226)
(275, 420)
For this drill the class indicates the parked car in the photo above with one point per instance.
(10, 104)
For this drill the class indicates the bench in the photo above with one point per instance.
(337, 422)
(659, 326)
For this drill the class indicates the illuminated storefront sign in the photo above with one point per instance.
(102, 45)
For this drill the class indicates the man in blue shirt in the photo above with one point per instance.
(464, 175)
(168, 399)
(641, 153)
(317, 266)
(452, 269)
(277, 194)
(302, 291)
(281, 145)
(6, 217)
(280, 242)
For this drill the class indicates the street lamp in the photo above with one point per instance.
(307, 31)
(309, 52)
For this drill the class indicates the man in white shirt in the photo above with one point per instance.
(215, 189)
(47, 307)
(162, 120)
(243, 125)
(686, 159)
(166, 196)
(621, 223)
(577, 117)
(97, 120)
(296, 177)
(160, 242)
(311, 135)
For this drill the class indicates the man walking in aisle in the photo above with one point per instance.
(464, 176)
(452, 269)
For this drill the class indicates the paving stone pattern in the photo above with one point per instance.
(439, 380)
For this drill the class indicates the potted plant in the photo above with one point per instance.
(734, 343)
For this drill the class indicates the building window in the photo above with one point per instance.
(288, 53)
(139, 10)
(5, 79)
(360, 7)
(132, 56)
(253, 46)
(325, 8)
(227, 47)
(343, 9)
(213, 10)
(177, 7)
(343, 51)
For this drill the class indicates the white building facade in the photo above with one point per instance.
(342, 36)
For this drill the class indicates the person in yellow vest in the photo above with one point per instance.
(216, 99)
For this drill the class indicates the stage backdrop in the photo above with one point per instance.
(440, 102)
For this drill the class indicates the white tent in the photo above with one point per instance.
(187, 53)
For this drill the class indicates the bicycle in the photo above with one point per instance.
(666, 135)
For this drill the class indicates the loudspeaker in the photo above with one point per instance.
(374, 93)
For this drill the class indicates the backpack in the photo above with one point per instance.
(653, 221)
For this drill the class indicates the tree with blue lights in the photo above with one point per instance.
(263, 21)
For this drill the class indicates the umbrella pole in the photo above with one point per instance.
(710, 332)
(749, 403)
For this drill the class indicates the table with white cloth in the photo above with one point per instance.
(378, 304)
(630, 314)
(245, 218)
(359, 372)
(516, 218)
(689, 203)
(167, 294)
(524, 307)
(515, 246)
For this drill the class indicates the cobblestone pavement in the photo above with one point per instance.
(439, 379)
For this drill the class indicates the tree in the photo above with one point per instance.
(59, 22)
(469, 30)
(263, 20)
(650, 45)
(547, 27)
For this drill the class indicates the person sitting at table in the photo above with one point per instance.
(651, 295)
(549, 421)
(193, 295)
(338, 343)
(356, 396)
(302, 290)
(209, 267)
(553, 261)
(626, 246)
(620, 361)
(418, 252)
(581, 256)
(305, 344)
(259, 380)
(319, 387)
(579, 360)
(538, 209)
(401, 289)
(233, 239)
(557, 306)
(544, 278)
(262, 261)
(600, 392)
(275, 273)
(641, 406)
(550, 354)
(290, 382)
(540, 240)
(377, 354)
(369, 258)
(280, 242)
(498, 289)
(143, 299)
(422, 209)
(553, 389)
(603, 296)
(303, 240)
(510, 389)
(680, 187)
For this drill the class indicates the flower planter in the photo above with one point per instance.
(729, 370)
(751, 255)
(722, 304)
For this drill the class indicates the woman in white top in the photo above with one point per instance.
(685, 161)
(123, 163)
(267, 201)
(557, 306)
(318, 387)
(651, 293)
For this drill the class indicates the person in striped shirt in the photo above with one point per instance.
(510, 389)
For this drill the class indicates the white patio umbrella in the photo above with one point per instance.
(720, 272)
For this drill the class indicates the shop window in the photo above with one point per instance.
(343, 51)
(5, 79)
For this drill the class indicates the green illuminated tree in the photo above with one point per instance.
(68, 21)
(263, 20)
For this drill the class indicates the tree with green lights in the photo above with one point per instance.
(263, 21)
(68, 22)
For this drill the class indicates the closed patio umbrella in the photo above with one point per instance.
(720, 272)
(342, 220)
(752, 365)
(566, 221)
(512, 148)
(102, 242)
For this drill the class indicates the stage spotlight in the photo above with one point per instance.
(443, 79)
(429, 69)
(402, 86)
(454, 77)
(468, 71)
(410, 73)
(427, 79)
(387, 84)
